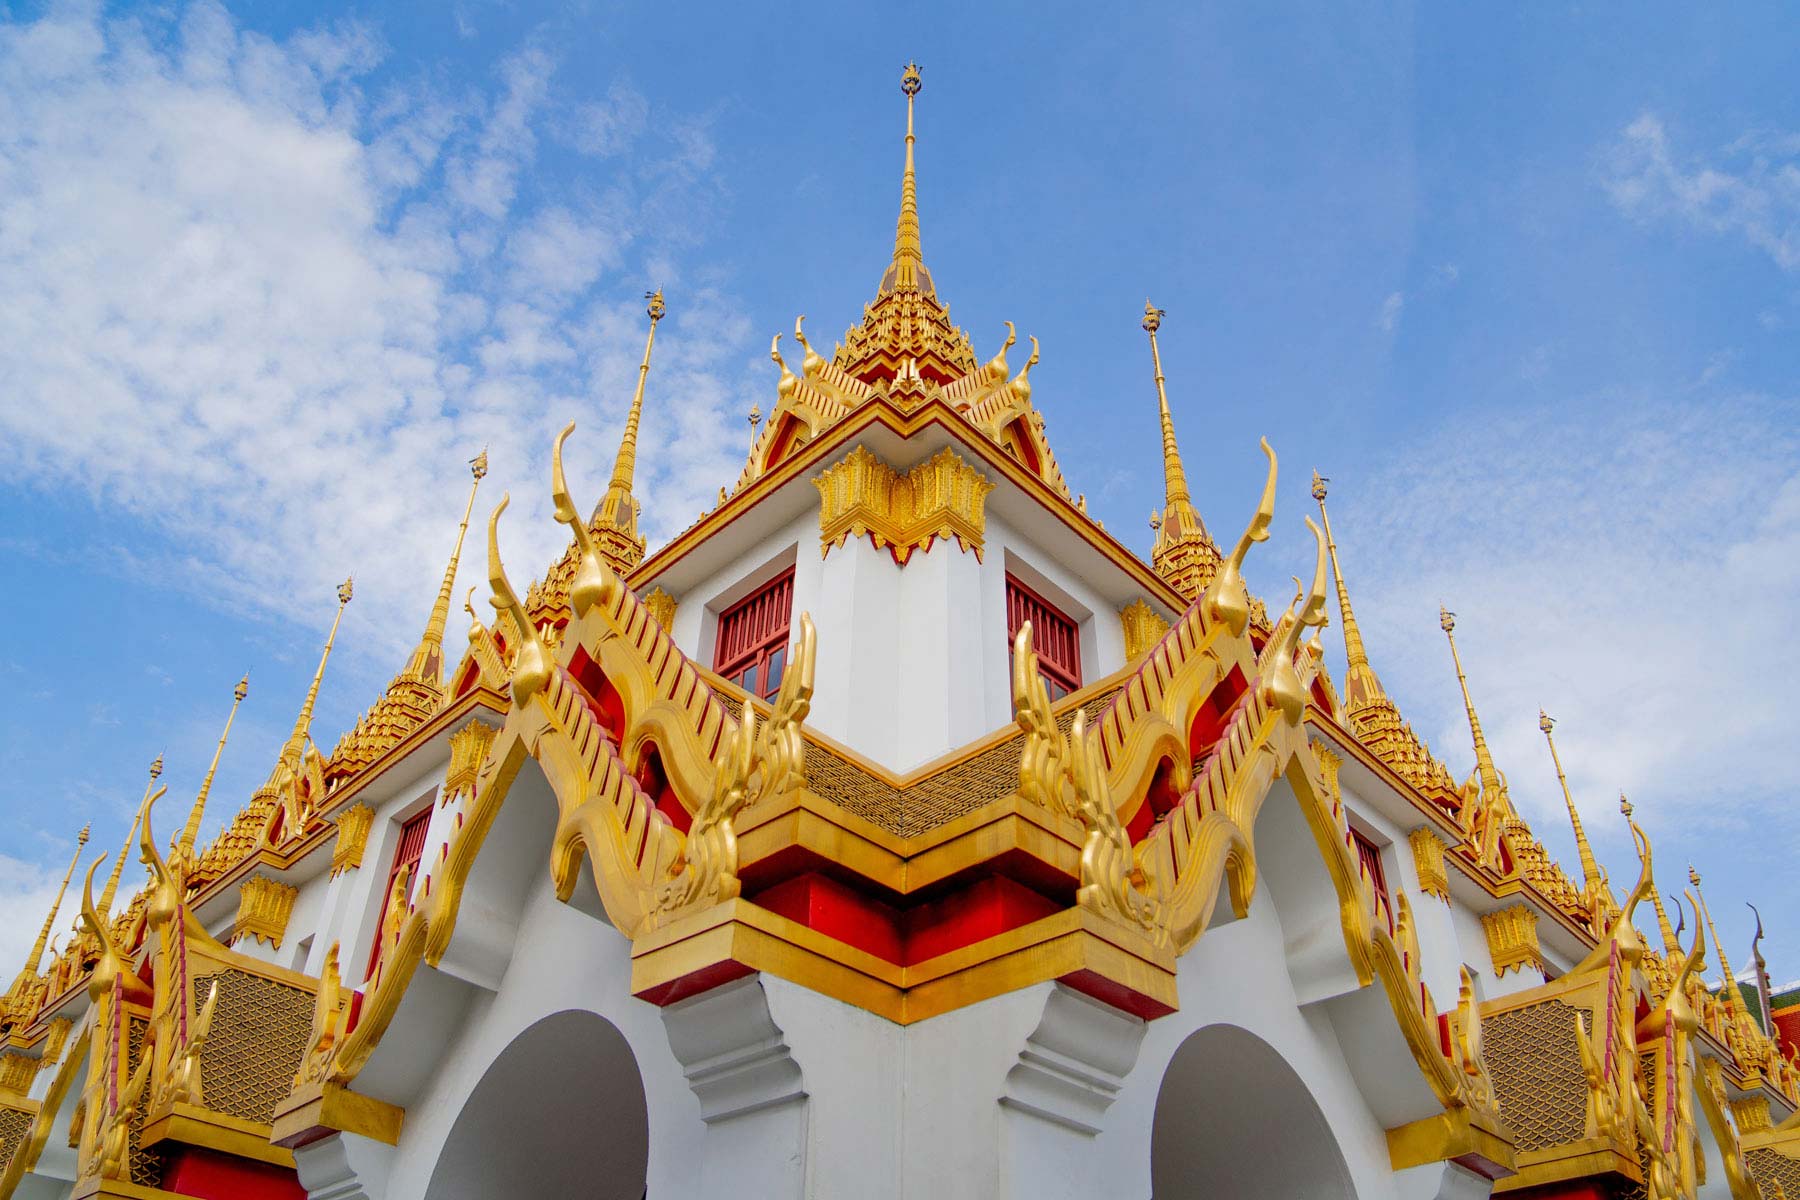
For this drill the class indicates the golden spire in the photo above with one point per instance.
(1360, 682)
(1592, 881)
(1184, 552)
(1670, 940)
(43, 938)
(184, 849)
(618, 509)
(1734, 999)
(112, 881)
(303, 723)
(427, 660)
(1484, 761)
(909, 254)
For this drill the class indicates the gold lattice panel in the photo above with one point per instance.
(257, 1039)
(1536, 1066)
(15, 1124)
(146, 1165)
(1767, 1166)
(936, 799)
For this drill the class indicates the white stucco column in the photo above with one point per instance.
(344, 1166)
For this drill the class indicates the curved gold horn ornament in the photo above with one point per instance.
(531, 664)
(1227, 601)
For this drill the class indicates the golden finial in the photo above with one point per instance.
(1174, 476)
(43, 938)
(112, 881)
(296, 742)
(908, 252)
(618, 509)
(1491, 789)
(427, 661)
(1734, 999)
(1360, 682)
(184, 849)
(1592, 881)
(755, 418)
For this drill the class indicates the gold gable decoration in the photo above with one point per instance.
(1512, 938)
(1143, 627)
(264, 906)
(352, 838)
(942, 497)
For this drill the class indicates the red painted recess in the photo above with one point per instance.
(989, 906)
(602, 698)
(703, 980)
(653, 779)
(1117, 995)
(210, 1175)
(1571, 1189)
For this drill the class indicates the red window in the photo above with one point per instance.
(1370, 854)
(1054, 636)
(753, 637)
(407, 858)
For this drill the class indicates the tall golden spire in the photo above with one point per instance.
(909, 254)
(303, 722)
(1360, 683)
(184, 849)
(1484, 760)
(1592, 881)
(112, 881)
(43, 939)
(427, 661)
(1670, 939)
(615, 523)
(1184, 553)
(1734, 999)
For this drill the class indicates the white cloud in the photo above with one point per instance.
(1752, 190)
(273, 312)
(1630, 565)
(27, 890)
(1389, 320)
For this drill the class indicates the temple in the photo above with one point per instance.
(893, 830)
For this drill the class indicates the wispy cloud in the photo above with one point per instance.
(272, 309)
(1622, 562)
(1750, 188)
(1391, 308)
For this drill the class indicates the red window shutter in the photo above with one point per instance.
(752, 645)
(1055, 638)
(1370, 856)
(407, 856)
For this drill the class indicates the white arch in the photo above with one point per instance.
(560, 1112)
(1233, 1119)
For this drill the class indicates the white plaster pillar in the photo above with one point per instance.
(1056, 1096)
(1441, 1181)
(751, 1091)
(344, 1166)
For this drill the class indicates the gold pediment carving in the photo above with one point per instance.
(942, 497)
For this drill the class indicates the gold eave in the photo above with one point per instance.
(907, 425)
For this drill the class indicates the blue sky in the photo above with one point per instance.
(1523, 283)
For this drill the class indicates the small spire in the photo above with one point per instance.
(184, 849)
(618, 510)
(1484, 760)
(1592, 881)
(303, 723)
(1734, 999)
(1175, 485)
(43, 938)
(1360, 682)
(1184, 552)
(1671, 938)
(908, 252)
(427, 660)
(112, 881)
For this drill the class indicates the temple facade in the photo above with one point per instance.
(892, 831)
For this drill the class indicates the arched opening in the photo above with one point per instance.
(561, 1112)
(1234, 1120)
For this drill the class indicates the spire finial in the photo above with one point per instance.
(1734, 999)
(1360, 682)
(303, 722)
(1592, 881)
(184, 849)
(1175, 484)
(617, 508)
(1491, 789)
(43, 938)
(908, 253)
(427, 660)
(112, 881)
